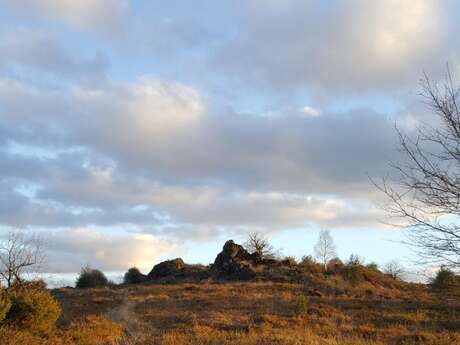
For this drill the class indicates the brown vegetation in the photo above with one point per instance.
(28, 317)
(373, 312)
(282, 303)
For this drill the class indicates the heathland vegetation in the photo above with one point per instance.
(243, 298)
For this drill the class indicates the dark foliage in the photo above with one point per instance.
(133, 276)
(90, 278)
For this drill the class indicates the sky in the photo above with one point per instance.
(136, 131)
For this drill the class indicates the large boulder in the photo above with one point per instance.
(167, 268)
(235, 262)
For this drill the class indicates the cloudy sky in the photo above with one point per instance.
(133, 131)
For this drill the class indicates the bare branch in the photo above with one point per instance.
(257, 243)
(425, 191)
(19, 255)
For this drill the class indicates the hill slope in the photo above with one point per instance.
(249, 313)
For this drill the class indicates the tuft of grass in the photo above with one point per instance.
(94, 330)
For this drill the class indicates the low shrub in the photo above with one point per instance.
(90, 278)
(308, 263)
(290, 261)
(445, 279)
(34, 310)
(373, 266)
(353, 270)
(334, 266)
(307, 260)
(133, 276)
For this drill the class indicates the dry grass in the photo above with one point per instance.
(91, 330)
(270, 313)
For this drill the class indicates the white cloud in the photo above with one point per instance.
(72, 249)
(147, 108)
(310, 111)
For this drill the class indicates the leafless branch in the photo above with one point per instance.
(19, 255)
(425, 191)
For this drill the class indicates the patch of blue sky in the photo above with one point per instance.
(42, 153)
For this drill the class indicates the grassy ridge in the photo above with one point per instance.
(271, 313)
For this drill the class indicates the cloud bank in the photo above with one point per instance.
(138, 127)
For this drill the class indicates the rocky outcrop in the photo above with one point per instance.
(176, 270)
(167, 268)
(235, 262)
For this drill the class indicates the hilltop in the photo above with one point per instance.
(235, 263)
(245, 299)
(242, 298)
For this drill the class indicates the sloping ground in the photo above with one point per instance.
(327, 311)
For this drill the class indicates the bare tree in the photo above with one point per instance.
(425, 191)
(394, 269)
(325, 248)
(258, 243)
(19, 255)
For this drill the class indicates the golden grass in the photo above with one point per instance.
(92, 330)
(269, 313)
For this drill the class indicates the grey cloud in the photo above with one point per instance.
(341, 47)
(197, 168)
(101, 16)
(327, 154)
(114, 170)
(42, 51)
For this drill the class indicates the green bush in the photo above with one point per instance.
(33, 309)
(5, 304)
(90, 278)
(353, 270)
(133, 276)
(445, 279)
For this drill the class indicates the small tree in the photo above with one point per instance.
(393, 269)
(258, 243)
(353, 269)
(325, 248)
(445, 279)
(90, 278)
(19, 255)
